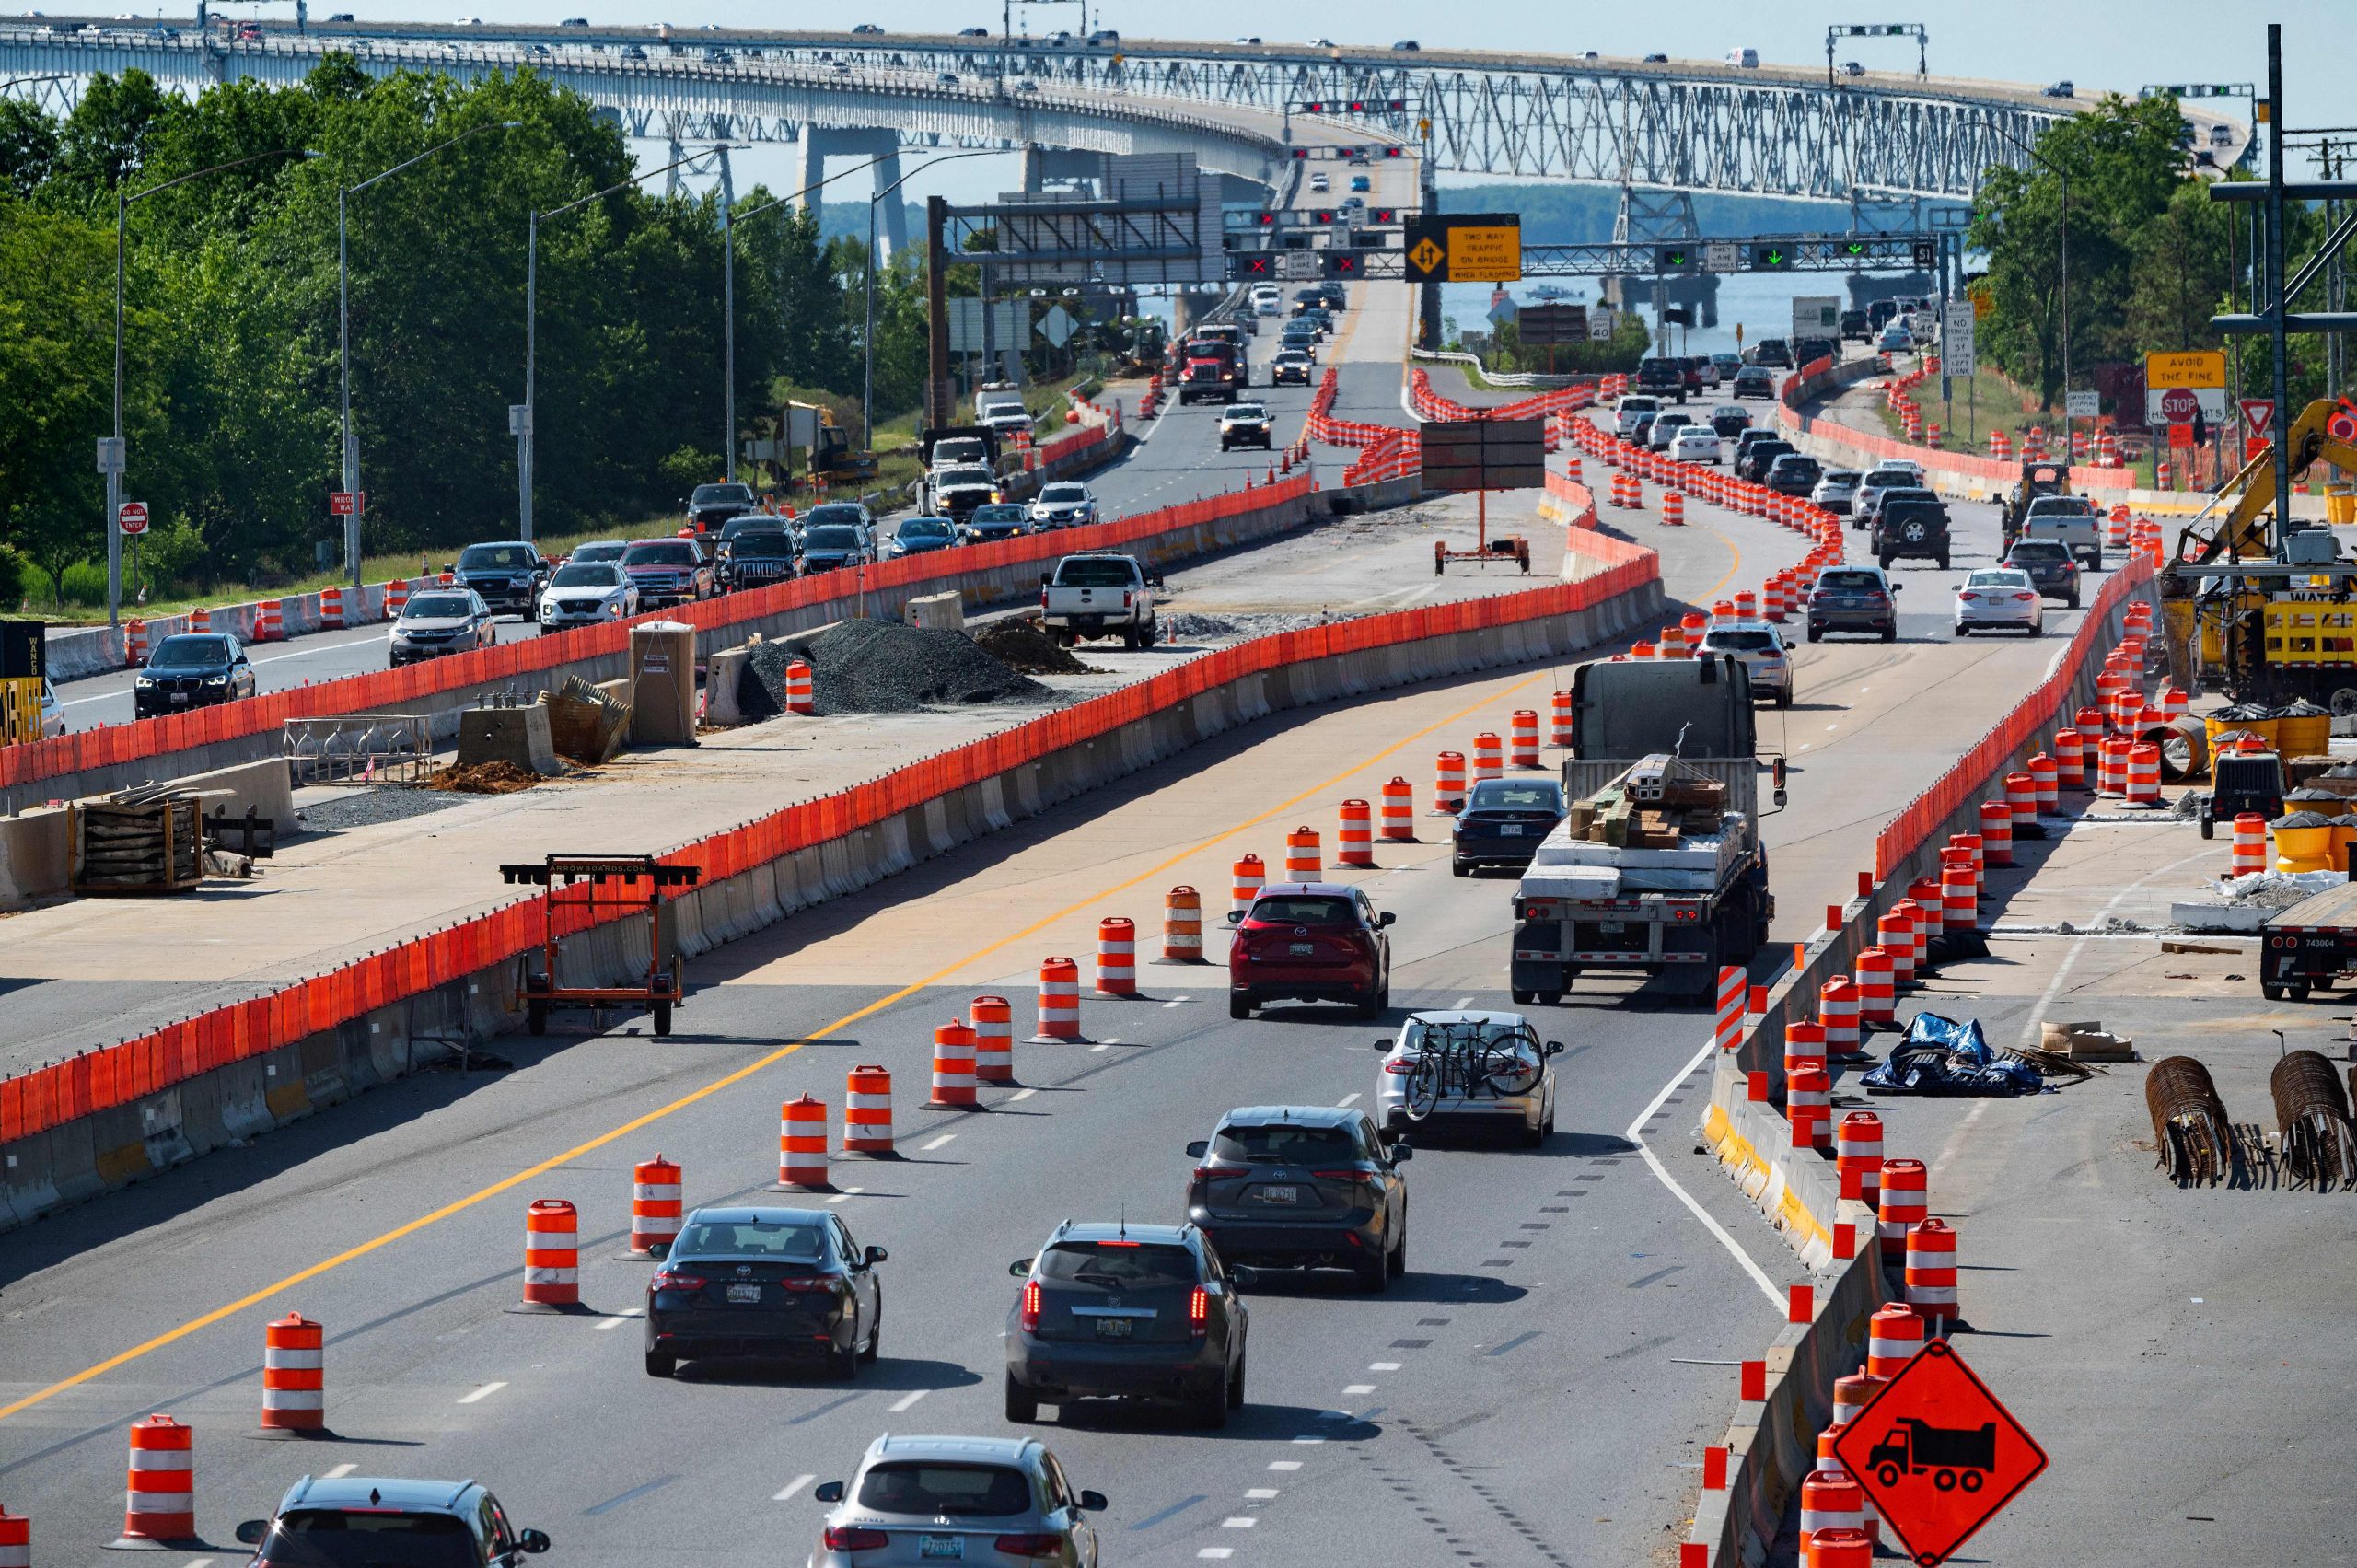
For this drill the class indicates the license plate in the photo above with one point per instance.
(179, 696)
(1511, 831)
(744, 1292)
(1114, 1328)
(1281, 1194)
(1302, 950)
(940, 1548)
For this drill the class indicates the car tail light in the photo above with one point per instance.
(1969, 599)
(1199, 1312)
(2023, 598)
(1029, 1546)
(1043, 596)
(855, 1537)
(1401, 1066)
(1125, 598)
(1030, 1304)
(667, 1279)
(808, 1282)
(1357, 1178)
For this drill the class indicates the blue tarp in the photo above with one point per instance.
(1940, 1056)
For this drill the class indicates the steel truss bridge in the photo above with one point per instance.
(1684, 126)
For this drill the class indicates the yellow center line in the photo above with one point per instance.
(505, 1184)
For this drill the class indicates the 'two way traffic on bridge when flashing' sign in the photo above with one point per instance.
(1464, 248)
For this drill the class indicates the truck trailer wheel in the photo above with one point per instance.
(662, 1019)
(2269, 990)
(1523, 998)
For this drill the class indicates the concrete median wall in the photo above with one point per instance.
(92, 1154)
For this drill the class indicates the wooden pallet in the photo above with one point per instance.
(135, 849)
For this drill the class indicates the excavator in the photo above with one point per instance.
(2261, 626)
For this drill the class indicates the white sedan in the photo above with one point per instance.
(1468, 1069)
(584, 593)
(1999, 600)
(1694, 444)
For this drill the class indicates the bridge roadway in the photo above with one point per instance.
(1536, 1392)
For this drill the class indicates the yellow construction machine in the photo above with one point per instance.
(2259, 624)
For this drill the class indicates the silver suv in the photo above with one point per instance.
(1761, 649)
(1000, 1501)
(360, 1521)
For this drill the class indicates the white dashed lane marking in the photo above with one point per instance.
(483, 1393)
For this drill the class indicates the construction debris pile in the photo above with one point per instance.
(2193, 1135)
(881, 666)
(1940, 1056)
(484, 778)
(1019, 644)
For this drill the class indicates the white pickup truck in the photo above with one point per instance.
(1099, 596)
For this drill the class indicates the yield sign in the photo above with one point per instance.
(1937, 1455)
(2258, 414)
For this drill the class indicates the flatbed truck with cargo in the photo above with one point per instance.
(2309, 945)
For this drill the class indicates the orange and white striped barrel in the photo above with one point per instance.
(1746, 605)
(1399, 811)
(2249, 854)
(2046, 775)
(552, 1253)
(1183, 926)
(1904, 1197)
(1245, 878)
(1354, 835)
(798, 698)
(1059, 999)
(1448, 784)
(293, 1385)
(1524, 733)
(1305, 862)
(1876, 973)
(1857, 1150)
(953, 1065)
(135, 642)
(1921, 922)
(2021, 798)
(16, 1539)
(1772, 596)
(2111, 766)
(2143, 773)
(1695, 626)
(1836, 1014)
(1975, 845)
(1489, 756)
(1117, 956)
(1808, 1106)
(802, 1142)
(1852, 1394)
(2127, 711)
(1826, 1439)
(1959, 894)
(1803, 1045)
(200, 620)
(867, 1111)
(993, 1021)
(2115, 529)
(1559, 720)
(159, 1502)
(1671, 641)
(1893, 1336)
(1895, 934)
(1930, 1270)
(1842, 1547)
(1637, 491)
(270, 620)
(1673, 509)
(332, 607)
(1830, 1501)
(396, 597)
(2172, 702)
(654, 1206)
(1996, 833)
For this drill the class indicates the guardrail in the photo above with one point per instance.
(1526, 378)
(120, 1074)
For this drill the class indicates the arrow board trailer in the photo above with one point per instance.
(1483, 455)
(1659, 864)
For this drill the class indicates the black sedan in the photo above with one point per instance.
(1503, 821)
(1752, 382)
(1000, 519)
(759, 1282)
(192, 670)
(1127, 1311)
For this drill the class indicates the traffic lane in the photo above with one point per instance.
(304, 661)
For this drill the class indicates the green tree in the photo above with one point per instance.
(56, 342)
(28, 144)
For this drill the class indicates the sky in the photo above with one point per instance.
(2097, 44)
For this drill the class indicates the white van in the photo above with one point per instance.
(1748, 58)
(1625, 413)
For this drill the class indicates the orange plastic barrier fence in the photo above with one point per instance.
(120, 1074)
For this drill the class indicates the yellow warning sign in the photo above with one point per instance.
(1487, 253)
(2194, 367)
(1426, 255)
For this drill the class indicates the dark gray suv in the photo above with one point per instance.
(1127, 1311)
(361, 1521)
(1304, 1187)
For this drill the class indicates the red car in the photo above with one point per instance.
(1309, 942)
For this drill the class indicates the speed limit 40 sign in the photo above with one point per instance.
(131, 517)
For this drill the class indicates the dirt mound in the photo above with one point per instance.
(881, 666)
(484, 778)
(1020, 646)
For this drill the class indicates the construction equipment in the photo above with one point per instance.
(21, 672)
(2040, 477)
(574, 884)
(2265, 623)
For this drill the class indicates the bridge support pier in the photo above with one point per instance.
(821, 142)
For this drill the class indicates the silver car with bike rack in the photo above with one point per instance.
(1473, 1069)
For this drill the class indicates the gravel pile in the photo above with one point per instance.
(882, 666)
(1194, 626)
(366, 808)
(1018, 644)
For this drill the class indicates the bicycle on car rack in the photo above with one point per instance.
(1460, 1061)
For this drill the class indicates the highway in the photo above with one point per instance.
(1534, 1392)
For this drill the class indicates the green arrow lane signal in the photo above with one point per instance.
(1770, 256)
(1675, 256)
(1853, 248)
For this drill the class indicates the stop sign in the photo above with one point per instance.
(131, 517)
(2179, 404)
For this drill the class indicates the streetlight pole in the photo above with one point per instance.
(348, 438)
(867, 338)
(2063, 175)
(520, 418)
(112, 461)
